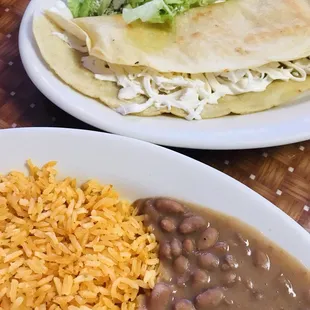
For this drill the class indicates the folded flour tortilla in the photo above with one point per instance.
(237, 34)
(225, 37)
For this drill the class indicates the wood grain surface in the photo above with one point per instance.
(281, 174)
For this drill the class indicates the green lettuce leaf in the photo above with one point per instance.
(152, 11)
(104, 6)
(146, 12)
(85, 8)
(160, 11)
(74, 6)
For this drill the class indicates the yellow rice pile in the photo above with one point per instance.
(69, 247)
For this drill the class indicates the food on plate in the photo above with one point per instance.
(208, 63)
(64, 246)
(212, 261)
(154, 11)
(70, 247)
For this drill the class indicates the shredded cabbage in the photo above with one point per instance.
(154, 11)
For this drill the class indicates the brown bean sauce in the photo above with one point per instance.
(212, 261)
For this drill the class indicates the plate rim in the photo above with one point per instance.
(129, 125)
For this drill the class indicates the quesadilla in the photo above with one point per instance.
(233, 57)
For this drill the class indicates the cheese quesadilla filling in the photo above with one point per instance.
(189, 92)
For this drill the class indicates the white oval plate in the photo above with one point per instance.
(138, 169)
(274, 127)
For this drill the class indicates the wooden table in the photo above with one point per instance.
(281, 174)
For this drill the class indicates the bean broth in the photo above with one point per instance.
(212, 261)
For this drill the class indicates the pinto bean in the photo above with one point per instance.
(207, 239)
(230, 262)
(168, 224)
(181, 265)
(209, 299)
(150, 213)
(230, 278)
(191, 224)
(160, 296)
(221, 247)
(200, 279)
(184, 304)
(188, 246)
(176, 247)
(166, 205)
(208, 261)
(165, 250)
(261, 260)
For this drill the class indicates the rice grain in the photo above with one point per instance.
(68, 247)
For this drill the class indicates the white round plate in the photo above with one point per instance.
(138, 170)
(274, 127)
